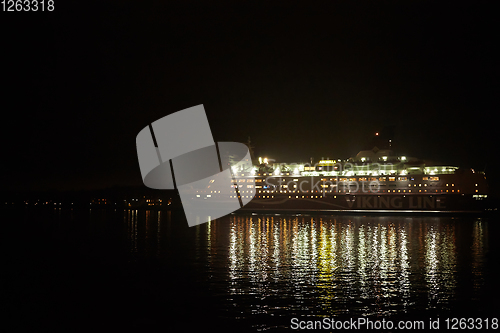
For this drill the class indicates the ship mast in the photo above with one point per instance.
(383, 139)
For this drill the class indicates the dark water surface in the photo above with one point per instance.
(136, 270)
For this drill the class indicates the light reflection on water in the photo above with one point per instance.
(366, 263)
(262, 265)
(478, 249)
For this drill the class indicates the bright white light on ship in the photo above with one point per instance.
(296, 171)
(363, 159)
(265, 160)
(277, 171)
(403, 158)
(253, 172)
(384, 158)
(403, 172)
(260, 160)
(235, 168)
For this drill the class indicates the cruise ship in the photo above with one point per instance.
(375, 180)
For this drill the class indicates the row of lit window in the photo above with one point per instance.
(320, 196)
(409, 191)
(307, 191)
(247, 191)
(361, 179)
(340, 191)
(330, 191)
(431, 185)
(248, 186)
(231, 196)
(382, 191)
(240, 187)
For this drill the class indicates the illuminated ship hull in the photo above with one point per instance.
(360, 203)
(451, 193)
(372, 181)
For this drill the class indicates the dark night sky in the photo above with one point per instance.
(308, 80)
